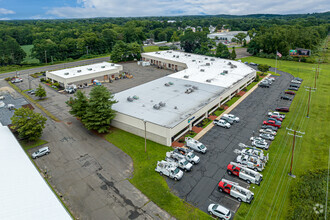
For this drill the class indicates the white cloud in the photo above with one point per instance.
(4, 19)
(125, 8)
(4, 11)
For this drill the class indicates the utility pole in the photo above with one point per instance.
(46, 56)
(293, 144)
(29, 81)
(309, 89)
(87, 50)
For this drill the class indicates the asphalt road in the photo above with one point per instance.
(199, 187)
(55, 67)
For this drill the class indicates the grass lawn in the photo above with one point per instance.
(28, 59)
(28, 144)
(272, 198)
(147, 179)
(151, 49)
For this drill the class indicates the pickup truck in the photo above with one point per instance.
(276, 114)
(272, 123)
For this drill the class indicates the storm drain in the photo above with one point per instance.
(89, 163)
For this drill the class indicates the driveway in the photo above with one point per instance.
(199, 187)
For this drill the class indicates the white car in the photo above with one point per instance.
(295, 81)
(260, 144)
(268, 131)
(266, 136)
(232, 117)
(222, 123)
(257, 139)
(41, 152)
(219, 211)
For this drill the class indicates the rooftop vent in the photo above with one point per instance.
(193, 60)
(171, 83)
(170, 51)
(157, 107)
(175, 107)
(112, 64)
(225, 71)
(66, 74)
(189, 90)
(78, 71)
(202, 70)
(186, 76)
(189, 55)
(209, 80)
(102, 67)
(212, 59)
(162, 104)
(177, 56)
(195, 87)
(89, 69)
(207, 64)
(130, 99)
(166, 84)
(229, 63)
(187, 85)
(173, 55)
(206, 58)
(135, 97)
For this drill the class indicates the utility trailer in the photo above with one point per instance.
(250, 176)
(235, 190)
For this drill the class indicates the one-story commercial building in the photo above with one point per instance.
(85, 74)
(24, 192)
(227, 36)
(168, 107)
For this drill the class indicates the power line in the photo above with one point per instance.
(309, 97)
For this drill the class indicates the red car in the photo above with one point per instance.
(290, 92)
(272, 123)
(276, 117)
(282, 109)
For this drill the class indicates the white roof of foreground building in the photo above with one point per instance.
(85, 70)
(205, 69)
(24, 193)
(182, 98)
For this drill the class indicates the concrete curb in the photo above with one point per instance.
(228, 110)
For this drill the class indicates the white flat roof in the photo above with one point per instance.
(24, 193)
(205, 69)
(85, 70)
(230, 33)
(178, 104)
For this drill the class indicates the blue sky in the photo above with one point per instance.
(44, 9)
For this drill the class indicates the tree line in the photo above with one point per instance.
(56, 40)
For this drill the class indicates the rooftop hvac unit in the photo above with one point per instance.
(162, 104)
(112, 64)
(209, 80)
(173, 55)
(193, 60)
(189, 90)
(189, 55)
(207, 64)
(78, 71)
(157, 107)
(206, 58)
(202, 70)
(130, 99)
(175, 107)
(66, 74)
(171, 83)
(135, 97)
(186, 76)
(177, 56)
(195, 87)
(89, 69)
(185, 55)
(225, 71)
(212, 59)
(166, 84)
(102, 67)
(229, 63)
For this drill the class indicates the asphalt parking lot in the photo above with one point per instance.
(55, 101)
(199, 187)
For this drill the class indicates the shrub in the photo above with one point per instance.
(56, 84)
(8, 78)
(42, 80)
(164, 48)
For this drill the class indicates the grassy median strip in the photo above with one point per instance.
(147, 180)
(32, 144)
(272, 198)
(34, 102)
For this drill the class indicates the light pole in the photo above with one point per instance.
(145, 136)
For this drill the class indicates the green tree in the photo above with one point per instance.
(45, 49)
(99, 112)
(40, 92)
(28, 124)
(240, 37)
(222, 51)
(191, 41)
(175, 37)
(78, 104)
(233, 54)
(263, 68)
